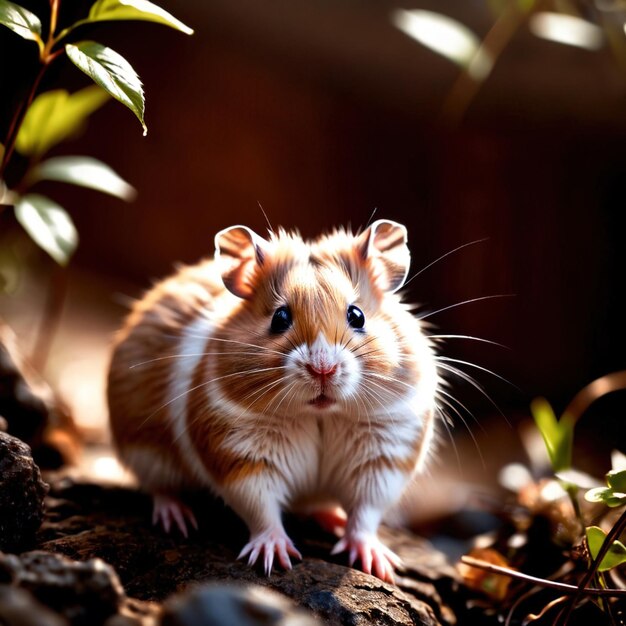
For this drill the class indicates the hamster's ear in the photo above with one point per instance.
(238, 253)
(383, 244)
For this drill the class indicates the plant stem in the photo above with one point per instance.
(470, 80)
(613, 534)
(615, 381)
(47, 56)
(54, 15)
(18, 118)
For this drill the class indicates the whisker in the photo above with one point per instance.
(464, 422)
(388, 379)
(383, 400)
(443, 256)
(273, 340)
(494, 343)
(286, 391)
(452, 306)
(364, 343)
(189, 355)
(260, 390)
(293, 395)
(370, 219)
(360, 401)
(445, 419)
(451, 397)
(479, 367)
(364, 354)
(204, 384)
(269, 224)
(467, 378)
(367, 395)
(198, 416)
(244, 343)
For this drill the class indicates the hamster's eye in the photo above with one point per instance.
(281, 321)
(356, 317)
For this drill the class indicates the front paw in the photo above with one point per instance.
(376, 558)
(269, 543)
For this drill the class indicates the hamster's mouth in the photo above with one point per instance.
(322, 401)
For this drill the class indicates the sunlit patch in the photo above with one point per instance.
(106, 465)
(566, 29)
(103, 467)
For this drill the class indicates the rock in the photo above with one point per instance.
(31, 410)
(22, 494)
(225, 605)
(86, 521)
(20, 608)
(85, 593)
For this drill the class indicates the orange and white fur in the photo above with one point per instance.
(282, 375)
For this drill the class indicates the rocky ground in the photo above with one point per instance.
(96, 559)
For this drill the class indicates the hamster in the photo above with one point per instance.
(281, 375)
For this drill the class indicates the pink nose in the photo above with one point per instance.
(321, 371)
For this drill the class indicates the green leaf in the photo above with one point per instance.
(21, 21)
(83, 171)
(557, 435)
(112, 72)
(616, 554)
(613, 495)
(105, 10)
(597, 494)
(617, 480)
(49, 226)
(56, 115)
(607, 496)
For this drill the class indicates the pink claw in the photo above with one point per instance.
(375, 557)
(167, 509)
(269, 543)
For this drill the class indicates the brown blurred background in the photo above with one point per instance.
(322, 112)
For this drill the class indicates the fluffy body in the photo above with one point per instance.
(203, 395)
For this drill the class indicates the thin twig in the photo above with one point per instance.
(616, 381)
(18, 118)
(551, 584)
(469, 82)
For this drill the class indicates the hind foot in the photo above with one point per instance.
(168, 510)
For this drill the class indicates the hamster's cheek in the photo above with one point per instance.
(351, 374)
(384, 341)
